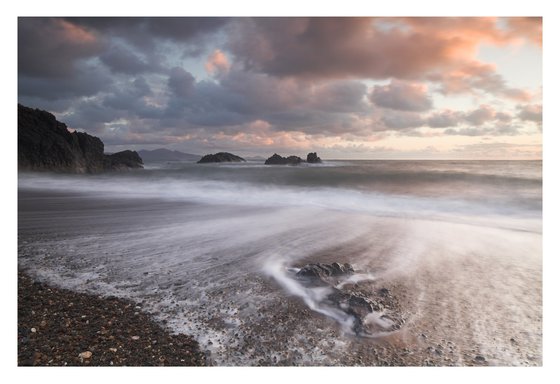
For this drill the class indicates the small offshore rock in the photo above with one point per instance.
(313, 158)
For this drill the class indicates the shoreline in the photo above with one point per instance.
(59, 327)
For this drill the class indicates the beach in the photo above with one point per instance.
(214, 252)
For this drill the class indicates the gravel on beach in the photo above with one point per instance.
(59, 327)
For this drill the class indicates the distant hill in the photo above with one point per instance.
(162, 154)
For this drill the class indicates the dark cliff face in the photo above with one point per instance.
(45, 144)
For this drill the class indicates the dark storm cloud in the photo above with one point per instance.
(49, 47)
(181, 82)
(143, 33)
(84, 81)
(121, 60)
(241, 97)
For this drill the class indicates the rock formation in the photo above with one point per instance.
(372, 310)
(276, 159)
(122, 161)
(220, 157)
(45, 144)
(313, 158)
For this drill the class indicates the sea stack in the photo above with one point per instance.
(313, 158)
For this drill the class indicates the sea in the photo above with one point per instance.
(212, 250)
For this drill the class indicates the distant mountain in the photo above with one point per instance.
(162, 154)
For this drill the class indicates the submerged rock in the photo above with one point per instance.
(323, 271)
(372, 311)
(220, 157)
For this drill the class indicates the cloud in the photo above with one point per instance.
(531, 112)
(480, 115)
(402, 96)
(402, 120)
(474, 75)
(528, 28)
(180, 82)
(217, 63)
(335, 47)
(444, 119)
(49, 47)
(145, 33)
(405, 48)
(84, 81)
(121, 60)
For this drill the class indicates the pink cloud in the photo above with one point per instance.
(217, 63)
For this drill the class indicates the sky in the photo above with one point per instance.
(345, 87)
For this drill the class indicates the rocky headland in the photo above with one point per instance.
(46, 144)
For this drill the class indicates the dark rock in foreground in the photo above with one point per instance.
(357, 302)
(220, 157)
(276, 159)
(123, 160)
(322, 271)
(61, 327)
(313, 158)
(45, 144)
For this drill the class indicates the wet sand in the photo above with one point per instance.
(249, 319)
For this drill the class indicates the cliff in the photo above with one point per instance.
(45, 144)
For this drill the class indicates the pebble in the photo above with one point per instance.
(85, 355)
(135, 337)
(33, 330)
